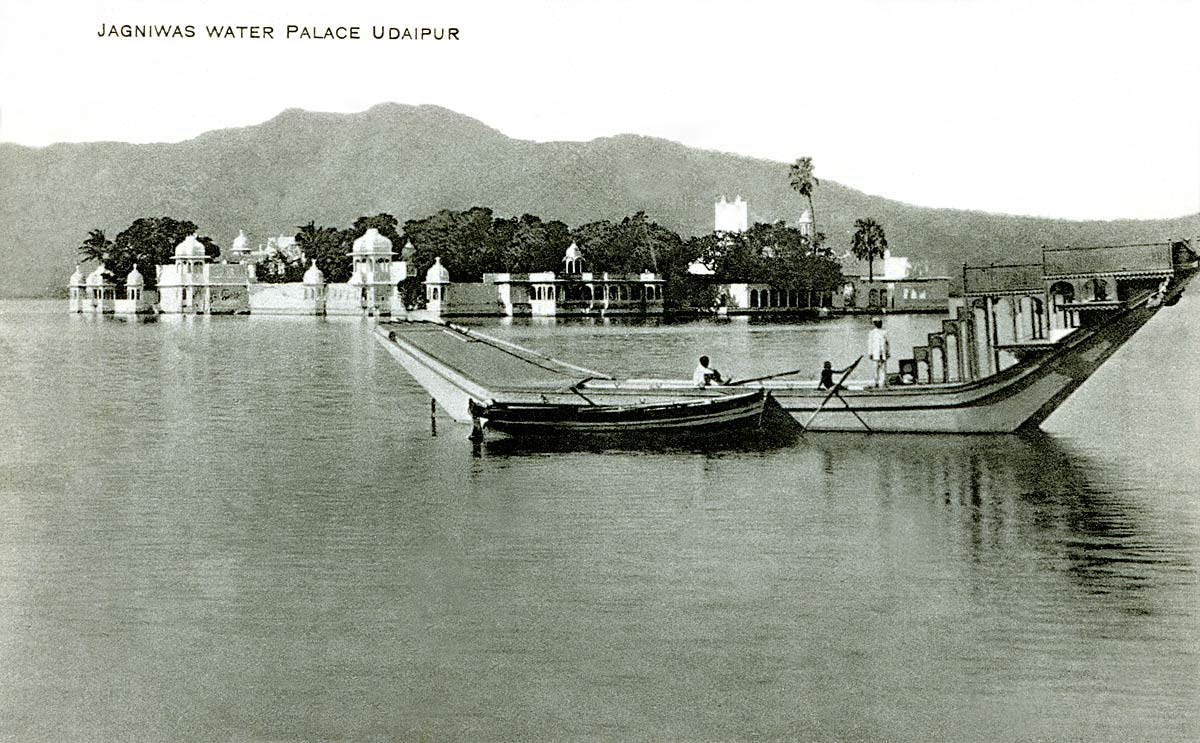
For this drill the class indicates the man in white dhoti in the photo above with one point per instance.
(878, 351)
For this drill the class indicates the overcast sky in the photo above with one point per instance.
(1067, 109)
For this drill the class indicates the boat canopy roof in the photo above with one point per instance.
(1017, 278)
(1153, 259)
(1121, 261)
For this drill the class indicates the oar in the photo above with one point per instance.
(575, 388)
(505, 346)
(853, 411)
(760, 379)
(832, 392)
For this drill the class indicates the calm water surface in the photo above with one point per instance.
(242, 529)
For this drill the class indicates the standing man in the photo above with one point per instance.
(705, 374)
(877, 349)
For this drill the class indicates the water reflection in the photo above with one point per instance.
(1030, 498)
(991, 500)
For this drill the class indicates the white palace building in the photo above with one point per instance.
(193, 285)
(574, 292)
(743, 298)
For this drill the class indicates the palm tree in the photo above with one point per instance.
(800, 175)
(96, 247)
(868, 243)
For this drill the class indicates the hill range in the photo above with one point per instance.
(411, 161)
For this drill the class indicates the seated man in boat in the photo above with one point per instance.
(827, 373)
(705, 374)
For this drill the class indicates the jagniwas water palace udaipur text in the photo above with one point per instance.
(386, 33)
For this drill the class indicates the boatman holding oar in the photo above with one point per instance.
(877, 349)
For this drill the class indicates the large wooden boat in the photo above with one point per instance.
(1025, 338)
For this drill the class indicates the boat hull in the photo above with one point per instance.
(677, 418)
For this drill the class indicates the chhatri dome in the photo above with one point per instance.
(134, 278)
(372, 243)
(573, 259)
(77, 277)
(408, 251)
(313, 275)
(190, 248)
(437, 273)
(806, 224)
(239, 242)
(99, 277)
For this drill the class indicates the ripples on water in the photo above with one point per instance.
(241, 529)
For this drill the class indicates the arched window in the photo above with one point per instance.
(953, 367)
(1062, 293)
(937, 369)
(1004, 312)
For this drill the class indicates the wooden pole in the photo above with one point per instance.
(853, 411)
(760, 379)
(832, 392)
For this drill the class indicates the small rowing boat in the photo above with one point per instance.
(741, 410)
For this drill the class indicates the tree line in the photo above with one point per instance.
(475, 241)
(148, 242)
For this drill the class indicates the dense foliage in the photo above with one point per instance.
(475, 242)
(148, 242)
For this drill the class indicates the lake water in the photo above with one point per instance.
(241, 529)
